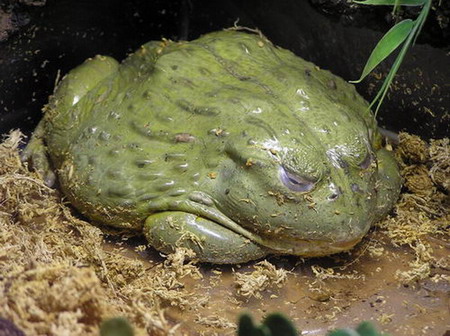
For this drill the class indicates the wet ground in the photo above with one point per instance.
(323, 293)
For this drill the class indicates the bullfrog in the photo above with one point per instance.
(227, 145)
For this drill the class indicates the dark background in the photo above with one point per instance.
(39, 38)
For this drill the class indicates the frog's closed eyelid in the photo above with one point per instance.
(295, 182)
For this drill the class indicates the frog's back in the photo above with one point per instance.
(151, 133)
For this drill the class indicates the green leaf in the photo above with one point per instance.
(367, 329)
(409, 41)
(275, 324)
(390, 41)
(396, 7)
(421, 20)
(246, 326)
(392, 2)
(363, 329)
(279, 325)
(343, 332)
(117, 326)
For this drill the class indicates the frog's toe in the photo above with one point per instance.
(35, 153)
(36, 156)
(210, 241)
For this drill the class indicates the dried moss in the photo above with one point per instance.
(56, 277)
(55, 300)
(216, 322)
(440, 157)
(417, 180)
(423, 209)
(322, 273)
(265, 275)
(412, 149)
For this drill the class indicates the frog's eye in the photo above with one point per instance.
(295, 182)
(367, 161)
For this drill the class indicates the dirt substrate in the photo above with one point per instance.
(60, 275)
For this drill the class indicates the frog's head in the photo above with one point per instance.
(304, 195)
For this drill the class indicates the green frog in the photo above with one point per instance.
(227, 145)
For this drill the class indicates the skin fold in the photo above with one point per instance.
(227, 145)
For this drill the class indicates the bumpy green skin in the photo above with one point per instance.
(186, 141)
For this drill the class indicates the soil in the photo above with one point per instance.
(436, 31)
(12, 19)
(60, 275)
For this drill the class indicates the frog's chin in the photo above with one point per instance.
(278, 245)
(320, 248)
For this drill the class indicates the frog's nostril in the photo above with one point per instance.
(335, 192)
(333, 196)
(356, 188)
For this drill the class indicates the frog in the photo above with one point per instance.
(227, 145)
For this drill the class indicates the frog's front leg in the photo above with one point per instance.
(388, 184)
(210, 241)
(36, 154)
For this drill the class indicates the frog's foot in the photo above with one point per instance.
(210, 241)
(36, 154)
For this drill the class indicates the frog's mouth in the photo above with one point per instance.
(282, 244)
